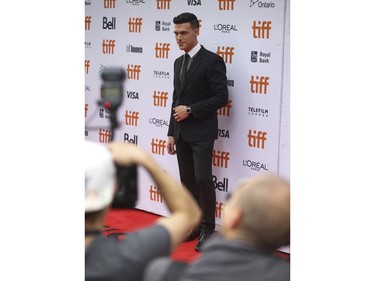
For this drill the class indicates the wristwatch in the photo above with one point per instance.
(188, 109)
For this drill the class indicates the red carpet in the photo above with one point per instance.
(124, 220)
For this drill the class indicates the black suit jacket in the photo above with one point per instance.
(205, 91)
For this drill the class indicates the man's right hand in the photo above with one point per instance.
(171, 146)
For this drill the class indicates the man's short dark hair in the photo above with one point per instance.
(187, 18)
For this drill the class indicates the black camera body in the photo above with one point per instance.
(112, 93)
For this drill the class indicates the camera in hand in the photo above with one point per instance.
(112, 93)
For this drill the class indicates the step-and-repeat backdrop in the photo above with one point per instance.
(252, 36)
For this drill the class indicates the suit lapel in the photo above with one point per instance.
(194, 64)
(177, 74)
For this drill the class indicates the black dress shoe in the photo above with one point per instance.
(193, 234)
(202, 239)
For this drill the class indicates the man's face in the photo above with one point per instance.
(186, 36)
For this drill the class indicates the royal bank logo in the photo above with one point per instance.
(261, 4)
(135, 25)
(131, 139)
(109, 4)
(257, 111)
(105, 135)
(109, 23)
(255, 165)
(225, 110)
(259, 84)
(226, 53)
(87, 45)
(133, 71)
(225, 5)
(158, 122)
(230, 83)
(163, 4)
(222, 133)
(261, 29)
(194, 3)
(225, 28)
(132, 49)
(163, 25)
(162, 50)
(104, 113)
(257, 139)
(260, 57)
(135, 2)
(161, 74)
(87, 2)
(87, 22)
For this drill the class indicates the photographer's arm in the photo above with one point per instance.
(185, 213)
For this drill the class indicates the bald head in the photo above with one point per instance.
(263, 203)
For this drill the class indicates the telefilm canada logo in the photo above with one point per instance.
(258, 111)
(163, 25)
(261, 4)
(260, 57)
(161, 74)
(135, 2)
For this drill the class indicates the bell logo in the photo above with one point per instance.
(226, 4)
(109, 4)
(105, 135)
(87, 66)
(219, 209)
(225, 110)
(108, 46)
(130, 140)
(135, 25)
(86, 109)
(257, 138)
(160, 98)
(87, 22)
(220, 158)
(226, 53)
(259, 85)
(155, 194)
(131, 118)
(163, 4)
(158, 146)
(162, 50)
(133, 71)
(262, 30)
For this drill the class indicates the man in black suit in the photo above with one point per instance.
(200, 89)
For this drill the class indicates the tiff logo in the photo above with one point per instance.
(226, 53)
(259, 85)
(219, 209)
(225, 110)
(133, 71)
(162, 50)
(87, 22)
(160, 98)
(163, 4)
(131, 118)
(155, 194)
(108, 46)
(220, 158)
(87, 66)
(226, 4)
(109, 4)
(86, 109)
(262, 30)
(158, 146)
(105, 135)
(257, 139)
(135, 25)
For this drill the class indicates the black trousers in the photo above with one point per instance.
(195, 165)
